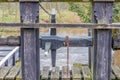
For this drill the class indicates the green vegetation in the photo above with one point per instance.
(78, 64)
(10, 13)
(83, 10)
(116, 18)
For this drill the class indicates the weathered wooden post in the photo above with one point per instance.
(102, 13)
(29, 10)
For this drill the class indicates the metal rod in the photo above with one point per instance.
(53, 33)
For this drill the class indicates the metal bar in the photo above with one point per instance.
(29, 41)
(61, 25)
(57, 0)
(56, 41)
(53, 33)
(102, 42)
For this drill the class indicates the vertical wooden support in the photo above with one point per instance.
(102, 41)
(29, 41)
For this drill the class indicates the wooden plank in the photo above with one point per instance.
(116, 72)
(55, 73)
(113, 76)
(65, 73)
(3, 72)
(30, 41)
(76, 73)
(86, 73)
(13, 73)
(19, 76)
(45, 73)
(57, 25)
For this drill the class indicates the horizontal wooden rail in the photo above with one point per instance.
(58, 0)
(61, 25)
(8, 56)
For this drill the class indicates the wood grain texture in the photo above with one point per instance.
(45, 72)
(3, 72)
(19, 76)
(65, 73)
(116, 71)
(55, 73)
(113, 76)
(76, 73)
(102, 52)
(86, 73)
(13, 73)
(30, 41)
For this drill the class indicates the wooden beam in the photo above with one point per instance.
(102, 12)
(86, 73)
(3, 72)
(62, 25)
(76, 73)
(13, 73)
(45, 72)
(55, 73)
(65, 73)
(30, 41)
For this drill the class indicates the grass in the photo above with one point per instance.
(63, 17)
